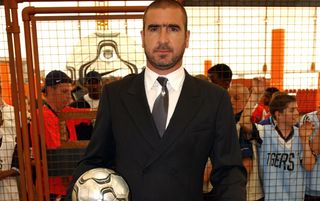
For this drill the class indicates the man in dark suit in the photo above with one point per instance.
(166, 164)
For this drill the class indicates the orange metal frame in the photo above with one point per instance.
(30, 16)
(277, 58)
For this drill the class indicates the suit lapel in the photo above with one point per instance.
(136, 102)
(187, 106)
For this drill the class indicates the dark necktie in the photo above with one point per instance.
(160, 107)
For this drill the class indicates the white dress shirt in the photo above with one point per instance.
(174, 85)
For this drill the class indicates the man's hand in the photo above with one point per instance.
(305, 131)
(258, 85)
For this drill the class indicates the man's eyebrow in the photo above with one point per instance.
(153, 25)
(173, 25)
(163, 25)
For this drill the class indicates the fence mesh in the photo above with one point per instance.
(279, 43)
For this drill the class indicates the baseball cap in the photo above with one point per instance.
(55, 77)
(92, 75)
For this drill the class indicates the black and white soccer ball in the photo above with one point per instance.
(100, 184)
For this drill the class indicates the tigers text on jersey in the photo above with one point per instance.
(280, 167)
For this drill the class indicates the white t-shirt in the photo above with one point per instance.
(254, 188)
(93, 103)
(8, 186)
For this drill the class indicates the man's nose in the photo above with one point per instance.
(163, 38)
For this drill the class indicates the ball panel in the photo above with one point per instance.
(100, 184)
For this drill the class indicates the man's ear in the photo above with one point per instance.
(142, 37)
(187, 38)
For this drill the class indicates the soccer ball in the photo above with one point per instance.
(100, 184)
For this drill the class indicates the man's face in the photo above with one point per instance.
(94, 88)
(290, 115)
(164, 39)
(238, 100)
(61, 93)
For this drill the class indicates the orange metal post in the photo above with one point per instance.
(29, 18)
(5, 82)
(35, 127)
(277, 58)
(318, 92)
(207, 65)
(15, 64)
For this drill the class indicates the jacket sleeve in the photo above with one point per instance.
(228, 176)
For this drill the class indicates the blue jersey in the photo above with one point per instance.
(280, 166)
(313, 177)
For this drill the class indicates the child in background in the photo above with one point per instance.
(285, 154)
(312, 178)
(8, 154)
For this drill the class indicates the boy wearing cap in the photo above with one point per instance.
(93, 83)
(57, 90)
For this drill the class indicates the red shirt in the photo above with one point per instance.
(58, 185)
(260, 113)
(52, 126)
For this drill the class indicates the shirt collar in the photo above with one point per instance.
(175, 79)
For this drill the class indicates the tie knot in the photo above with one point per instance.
(163, 81)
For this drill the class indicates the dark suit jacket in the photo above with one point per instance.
(125, 138)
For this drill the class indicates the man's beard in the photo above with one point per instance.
(95, 95)
(164, 65)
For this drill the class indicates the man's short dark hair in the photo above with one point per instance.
(167, 4)
(271, 90)
(280, 101)
(222, 71)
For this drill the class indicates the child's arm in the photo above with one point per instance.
(309, 159)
